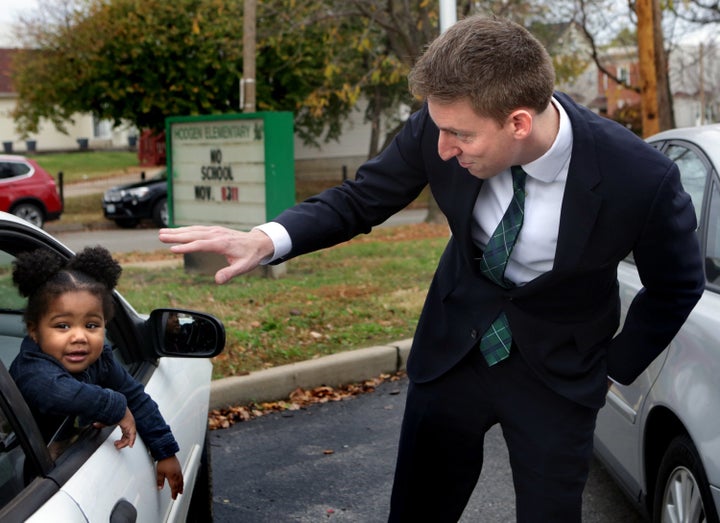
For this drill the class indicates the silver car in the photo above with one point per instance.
(660, 436)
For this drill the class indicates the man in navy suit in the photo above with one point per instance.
(594, 193)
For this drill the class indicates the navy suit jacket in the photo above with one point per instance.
(621, 197)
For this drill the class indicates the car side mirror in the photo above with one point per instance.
(185, 334)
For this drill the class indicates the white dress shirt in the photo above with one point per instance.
(534, 251)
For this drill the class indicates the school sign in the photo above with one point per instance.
(235, 170)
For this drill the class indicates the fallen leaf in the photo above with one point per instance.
(298, 399)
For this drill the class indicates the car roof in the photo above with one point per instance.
(13, 157)
(11, 217)
(707, 137)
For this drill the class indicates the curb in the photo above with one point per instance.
(337, 369)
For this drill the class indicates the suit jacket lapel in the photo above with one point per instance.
(580, 204)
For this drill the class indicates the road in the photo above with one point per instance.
(334, 462)
(115, 239)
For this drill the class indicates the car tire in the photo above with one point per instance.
(682, 492)
(30, 213)
(126, 223)
(201, 502)
(160, 213)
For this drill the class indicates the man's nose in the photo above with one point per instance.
(447, 146)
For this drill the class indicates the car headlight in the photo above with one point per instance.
(137, 192)
(112, 195)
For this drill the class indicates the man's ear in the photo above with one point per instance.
(521, 121)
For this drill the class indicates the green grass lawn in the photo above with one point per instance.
(357, 294)
(85, 165)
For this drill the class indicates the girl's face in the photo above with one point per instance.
(72, 330)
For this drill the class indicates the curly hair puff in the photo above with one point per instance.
(42, 275)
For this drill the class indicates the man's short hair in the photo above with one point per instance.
(495, 64)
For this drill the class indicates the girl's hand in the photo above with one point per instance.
(129, 432)
(170, 469)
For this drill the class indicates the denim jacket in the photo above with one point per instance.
(99, 393)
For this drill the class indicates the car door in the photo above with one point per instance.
(91, 480)
(618, 436)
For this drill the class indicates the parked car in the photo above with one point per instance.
(126, 205)
(91, 480)
(660, 436)
(28, 191)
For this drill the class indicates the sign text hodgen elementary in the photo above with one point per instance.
(216, 164)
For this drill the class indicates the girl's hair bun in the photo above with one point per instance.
(98, 263)
(32, 269)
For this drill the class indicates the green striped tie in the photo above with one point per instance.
(495, 343)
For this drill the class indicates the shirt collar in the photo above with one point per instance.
(554, 162)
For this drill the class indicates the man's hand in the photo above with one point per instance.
(170, 469)
(243, 250)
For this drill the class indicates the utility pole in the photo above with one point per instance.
(448, 14)
(247, 89)
(648, 71)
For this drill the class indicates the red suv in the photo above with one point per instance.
(28, 191)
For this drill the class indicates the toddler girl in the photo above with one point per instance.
(64, 367)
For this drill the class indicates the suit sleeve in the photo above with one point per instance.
(670, 266)
(382, 186)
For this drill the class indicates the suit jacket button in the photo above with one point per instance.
(473, 334)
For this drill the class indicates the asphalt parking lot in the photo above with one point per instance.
(334, 462)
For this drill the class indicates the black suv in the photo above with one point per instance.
(126, 205)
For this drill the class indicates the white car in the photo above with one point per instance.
(91, 480)
(660, 436)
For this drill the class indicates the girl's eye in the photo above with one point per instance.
(62, 326)
(92, 326)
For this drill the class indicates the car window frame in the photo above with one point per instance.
(713, 188)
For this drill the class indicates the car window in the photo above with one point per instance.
(13, 330)
(13, 169)
(12, 327)
(693, 172)
(712, 248)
